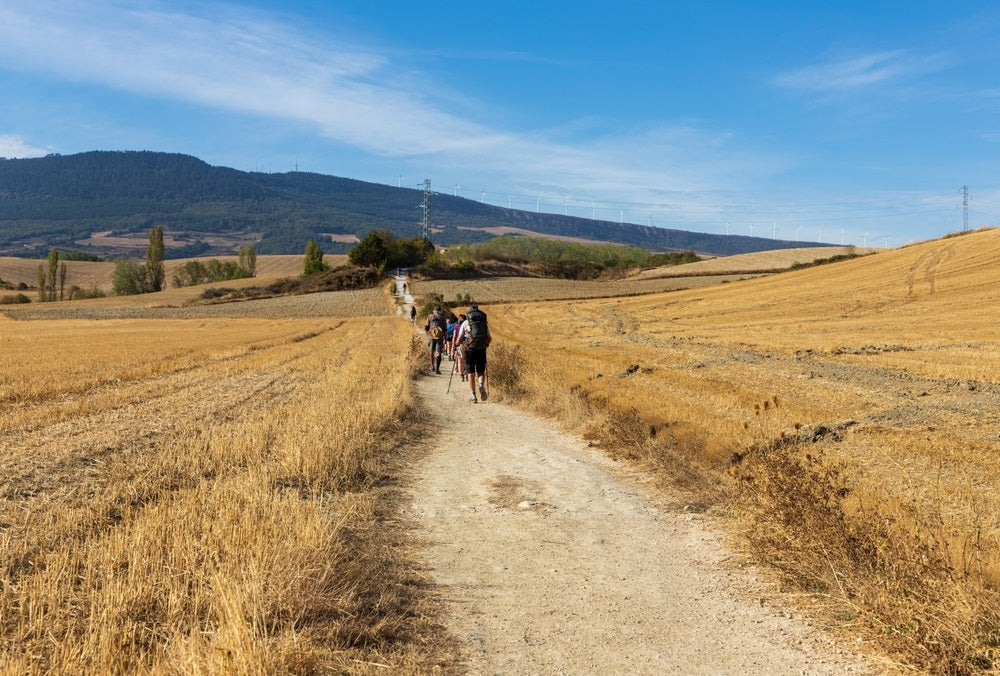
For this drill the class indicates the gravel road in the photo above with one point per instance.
(551, 558)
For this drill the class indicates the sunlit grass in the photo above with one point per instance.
(217, 509)
(884, 366)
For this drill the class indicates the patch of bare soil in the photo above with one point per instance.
(551, 558)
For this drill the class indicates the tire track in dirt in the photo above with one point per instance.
(550, 558)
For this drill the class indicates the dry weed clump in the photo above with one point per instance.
(225, 513)
(882, 567)
(508, 367)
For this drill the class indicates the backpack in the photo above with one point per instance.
(478, 330)
(437, 330)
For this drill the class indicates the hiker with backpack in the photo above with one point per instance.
(476, 338)
(435, 330)
(458, 347)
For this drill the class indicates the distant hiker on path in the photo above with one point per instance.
(413, 313)
(476, 337)
(435, 330)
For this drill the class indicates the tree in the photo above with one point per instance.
(248, 260)
(379, 249)
(53, 272)
(372, 250)
(128, 279)
(62, 278)
(314, 258)
(155, 272)
(40, 279)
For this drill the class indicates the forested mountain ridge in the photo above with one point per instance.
(62, 200)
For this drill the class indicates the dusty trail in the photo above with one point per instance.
(551, 558)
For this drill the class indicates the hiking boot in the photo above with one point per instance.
(482, 392)
(473, 400)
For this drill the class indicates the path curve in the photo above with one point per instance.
(551, 558)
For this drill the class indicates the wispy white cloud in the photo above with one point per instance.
(13, 146)
(254, 63)
(878, 68)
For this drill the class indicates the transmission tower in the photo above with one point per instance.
(427, 208)
(965, 207)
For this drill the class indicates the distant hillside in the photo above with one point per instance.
(63, 201)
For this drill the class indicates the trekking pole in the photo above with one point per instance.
(453, 364)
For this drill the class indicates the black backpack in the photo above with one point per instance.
(478, 330)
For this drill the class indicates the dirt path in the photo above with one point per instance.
(551, 558)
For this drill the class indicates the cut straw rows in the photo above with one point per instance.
(242, 543)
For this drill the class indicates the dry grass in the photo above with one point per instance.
(761, 261)
(885, 367)
(89, 275)
(523, 289)
(205, 496)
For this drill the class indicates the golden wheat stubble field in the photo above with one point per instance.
(202, 495)
(886, 364)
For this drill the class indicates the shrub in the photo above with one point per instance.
(506, 368)
(314, 259)
(78, 293)
(16, 299)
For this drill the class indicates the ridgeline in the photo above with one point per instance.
(63, 200)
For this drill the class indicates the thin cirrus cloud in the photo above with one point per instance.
(879, 68)
(252, 63)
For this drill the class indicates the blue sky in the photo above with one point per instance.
(849, 121)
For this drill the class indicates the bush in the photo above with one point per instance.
(16, 299)
(214, 270)
(78, 293)
(506, 368)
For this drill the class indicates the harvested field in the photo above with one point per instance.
(873, 380)
(90, 275)
(205, 495)
(514, 289)
(176, 304)
(760, 262)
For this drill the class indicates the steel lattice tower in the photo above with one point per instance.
(427, 208)
(965, 207)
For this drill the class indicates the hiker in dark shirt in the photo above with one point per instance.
(476, 337)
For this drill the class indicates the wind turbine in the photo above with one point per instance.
(482, 197)
(751, 229)
(538, 201)
(457, 186)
